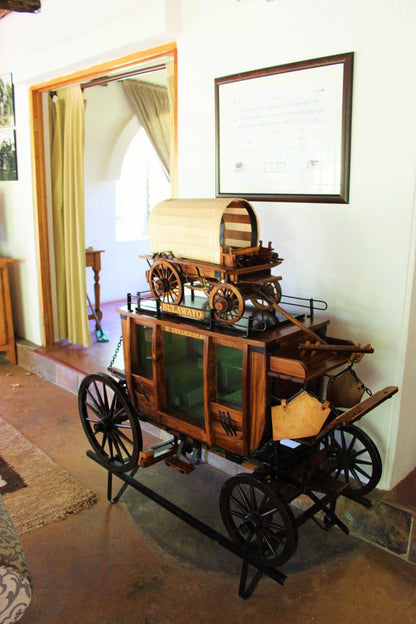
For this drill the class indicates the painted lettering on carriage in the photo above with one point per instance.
(183, 332)
(183, 311)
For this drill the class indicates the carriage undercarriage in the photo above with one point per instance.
(259, 507)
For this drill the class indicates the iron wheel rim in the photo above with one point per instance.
(109, 422)
(359, 462)
(258, 520)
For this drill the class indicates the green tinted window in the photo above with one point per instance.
(229, 368)
(144, 348)
(184, 375)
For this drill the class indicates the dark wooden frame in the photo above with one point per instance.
(343, 197)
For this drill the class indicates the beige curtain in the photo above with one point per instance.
(67, 115)
(151, 105)
(170, 81)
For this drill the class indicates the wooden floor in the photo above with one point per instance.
(98, 356)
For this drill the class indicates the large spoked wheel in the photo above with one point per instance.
(258, 520)
(109, 422)
(270, 290)
(227, 303)
(165, 282)
(356, 457)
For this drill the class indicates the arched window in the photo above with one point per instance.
(141, 185)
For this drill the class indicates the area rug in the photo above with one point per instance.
(43, 491)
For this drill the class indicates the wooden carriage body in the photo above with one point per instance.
(219, 388)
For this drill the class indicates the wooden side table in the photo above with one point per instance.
(93, 259)
(7, 342)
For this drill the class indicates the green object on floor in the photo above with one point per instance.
(102, 335)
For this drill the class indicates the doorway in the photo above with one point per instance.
(131, 64)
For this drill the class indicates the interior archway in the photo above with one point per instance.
(131, 63)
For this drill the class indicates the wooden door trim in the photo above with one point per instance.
(38, 160)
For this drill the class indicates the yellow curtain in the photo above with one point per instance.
(67, 116)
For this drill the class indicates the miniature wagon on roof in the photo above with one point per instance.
(211, 245)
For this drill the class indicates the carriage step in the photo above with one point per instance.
(179, 464)
(154, 455)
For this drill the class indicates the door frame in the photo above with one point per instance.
(39, 163)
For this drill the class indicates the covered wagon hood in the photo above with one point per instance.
(197, 228)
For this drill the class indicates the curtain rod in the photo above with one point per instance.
(137, 72)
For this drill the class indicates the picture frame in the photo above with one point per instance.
(7, 113)
(8, 157)
(284, 133)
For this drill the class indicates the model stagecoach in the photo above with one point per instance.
(213, 357)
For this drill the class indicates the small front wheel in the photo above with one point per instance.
(227, 303)
(165, 282)
(110, 422)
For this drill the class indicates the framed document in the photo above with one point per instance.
(284, 133)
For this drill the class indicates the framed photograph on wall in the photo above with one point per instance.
(8, 159)
(6, 101)
(284, 133)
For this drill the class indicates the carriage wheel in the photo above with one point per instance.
(227, 303)
(165, 282)
(110, 422)
(272, 290)
(258, 520)
(359, 462)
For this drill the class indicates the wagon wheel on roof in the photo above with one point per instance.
(165, 282)
(258, 520)
(270, 290)
(227, 303)
(110, 422)
(355, 457)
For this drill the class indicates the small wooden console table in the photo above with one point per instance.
(7, 342)
(93, 259)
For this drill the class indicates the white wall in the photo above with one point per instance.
(360, 256)
(357, 257)
(107, 114)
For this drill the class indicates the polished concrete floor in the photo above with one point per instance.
(134, 562)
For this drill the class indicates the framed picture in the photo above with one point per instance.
(284, 133)
(8, 160)
(6, 101)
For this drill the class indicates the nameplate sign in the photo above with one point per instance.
(183, 332)
(171, 308)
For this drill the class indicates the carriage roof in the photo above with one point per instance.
(198, 228)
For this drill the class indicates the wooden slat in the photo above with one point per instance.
(286, 366)
(209, 384)
(258, 380)
(237, 234)
(235, 218)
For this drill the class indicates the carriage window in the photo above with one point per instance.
(144, 348)
(229, 369)
(184, 375)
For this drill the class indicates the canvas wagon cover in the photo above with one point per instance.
(191, 228)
